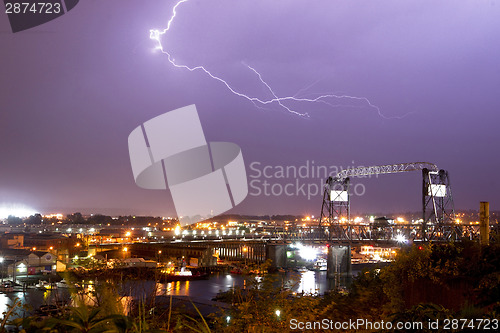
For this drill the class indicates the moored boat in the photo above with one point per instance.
(185, 275)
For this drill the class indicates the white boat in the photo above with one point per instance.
(321, 265)
(45, 285)
(62, 284)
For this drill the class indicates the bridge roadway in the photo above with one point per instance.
(259, 247)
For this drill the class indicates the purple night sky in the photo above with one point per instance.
(73, 89)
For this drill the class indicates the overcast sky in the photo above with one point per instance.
(426, 75)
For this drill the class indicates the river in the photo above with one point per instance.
(308, 282)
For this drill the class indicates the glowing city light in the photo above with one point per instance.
(401, 238)
(16, 210)
(307, 252)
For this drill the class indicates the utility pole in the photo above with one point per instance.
(14, 271)
(1, 263)
(484, 223)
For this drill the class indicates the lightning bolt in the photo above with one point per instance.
(157, 35)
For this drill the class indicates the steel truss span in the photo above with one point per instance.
(385, 169)
(438, 213)
(361, 233)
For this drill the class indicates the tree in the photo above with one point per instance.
(76, 218)
(34, 219)
(14, 220)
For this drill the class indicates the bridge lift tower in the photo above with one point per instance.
(438, 214)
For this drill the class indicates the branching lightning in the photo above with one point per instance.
(157, 35)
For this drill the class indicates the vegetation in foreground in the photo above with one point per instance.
(426, 282)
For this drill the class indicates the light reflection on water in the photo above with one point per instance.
(4, 302)
(31, 300)
(204, 289)
(307, 282)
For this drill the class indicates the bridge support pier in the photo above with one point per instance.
(339, 270)
(277, 254)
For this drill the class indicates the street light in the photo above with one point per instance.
(245, 250)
